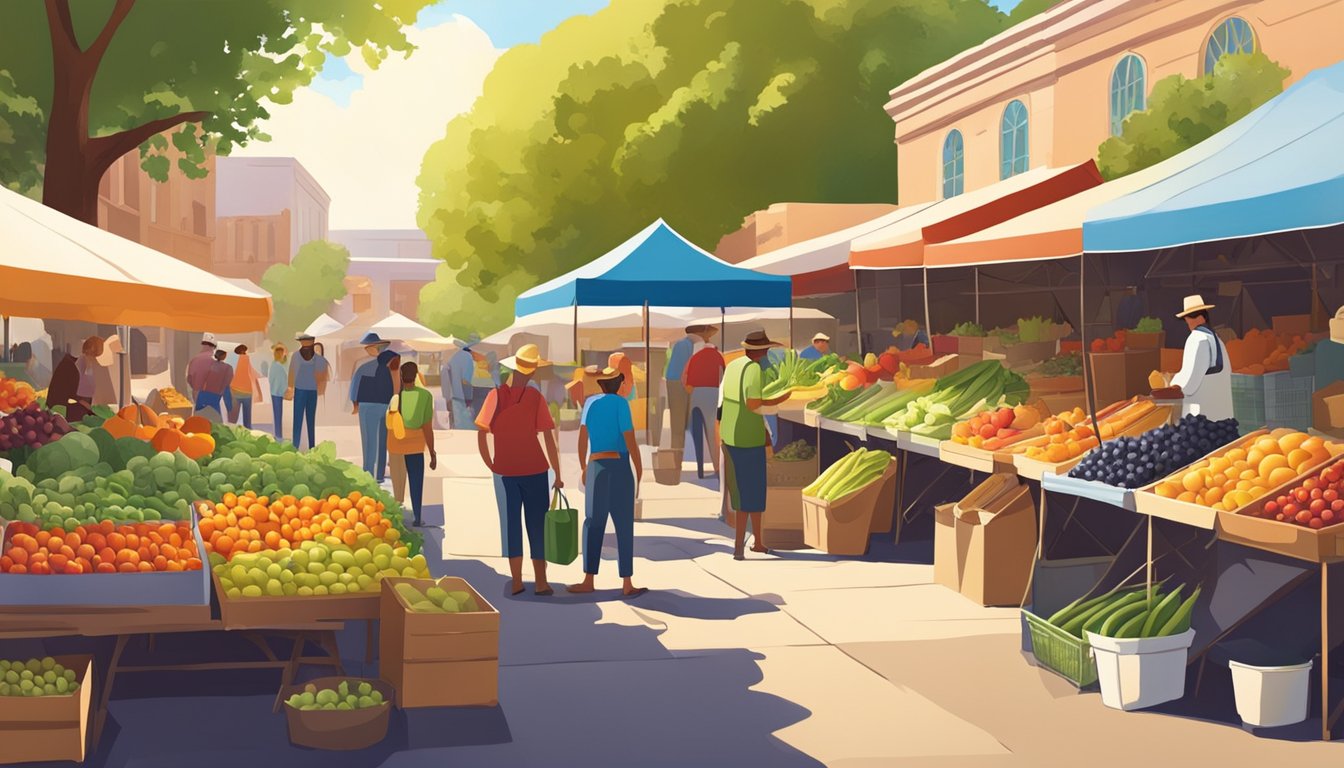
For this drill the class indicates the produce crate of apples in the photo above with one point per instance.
(1233, 477)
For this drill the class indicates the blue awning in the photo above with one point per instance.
(662, 268)
(1282, 170)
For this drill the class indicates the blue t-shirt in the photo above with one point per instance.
(810, 353)
(677, 357)
(306, 371)
(607, 418)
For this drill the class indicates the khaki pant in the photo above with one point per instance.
(397, 465)
(679, 406)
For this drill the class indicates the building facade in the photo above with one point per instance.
(268, 208)
(1050, 90)
(388, 267)
(787, 223)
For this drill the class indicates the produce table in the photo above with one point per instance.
(125, 622)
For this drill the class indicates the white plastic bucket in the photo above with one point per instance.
(1268, 697)
(1135, 673)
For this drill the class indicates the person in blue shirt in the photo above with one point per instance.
(819, 348)
(607, 450)
(456, 381)
(305, 371)
(371, 389)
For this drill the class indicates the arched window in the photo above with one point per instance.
(1014, 157)
(1128, 91)
(954, 164)
(1232, 36)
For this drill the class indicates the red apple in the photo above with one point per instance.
(1317, 493)
(1271, 507)
(1316, 522)
(1328, 516)
(1318, 506)
(1302, 495)
(1330, 494)
(1290, 509)
(1303, 517)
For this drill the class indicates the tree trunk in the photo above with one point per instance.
(72, 174)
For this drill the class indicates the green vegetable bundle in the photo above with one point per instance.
(1034, 328)
(957, 396)
(967, 329)
(1070, 364)
(796, 373)
(1148, 325)
(798, 450)
(848, 475)
(1133, 612)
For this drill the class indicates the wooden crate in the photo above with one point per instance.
(48, 728)
(439, 659)
(272, 612)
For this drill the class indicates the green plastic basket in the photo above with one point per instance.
(1248, 401)
(1058, 651)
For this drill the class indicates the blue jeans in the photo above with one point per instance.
(373, 438)
(227, 396)
(278, 415)
(462, 414)
(209, 400)
(610, 491)
(305, 408)
(241, 410)
(526, 500)
(503, 516)
(415, 475)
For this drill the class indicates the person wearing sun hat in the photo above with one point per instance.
(514, 414)
(819, 348)
(1204, 383)
(607, 430)
(744, 436)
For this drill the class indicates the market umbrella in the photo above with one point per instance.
(399, 327)
(53, 266)
(324, 325)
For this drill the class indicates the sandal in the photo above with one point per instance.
(547, 592)
(519, 591)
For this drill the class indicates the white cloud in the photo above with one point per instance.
(367, 154)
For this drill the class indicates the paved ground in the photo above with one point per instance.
(795, 659)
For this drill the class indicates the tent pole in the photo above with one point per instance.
(723, 328)
(576, 334)
(791, 343)
(858, 315)
(977, 295)
(928, 330)
(648, 381)
(4, 354)
(1088, 396)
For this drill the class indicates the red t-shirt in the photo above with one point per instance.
(515, 424)
(704, 369)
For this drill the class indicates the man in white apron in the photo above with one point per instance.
(1204, 383)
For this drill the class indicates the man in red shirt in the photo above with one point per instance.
(703, 373)
(515, 414)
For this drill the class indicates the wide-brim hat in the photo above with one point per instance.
(758, 340)
(605, 373)
(305, 337)
(372, 339)
(821, 337)
(526, 360)
(702, 328)
(1192, 304)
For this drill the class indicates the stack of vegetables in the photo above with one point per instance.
(849, 475)
(1131, 612)
(872, 405)
(1263, 351)
(967, 392)
(795, 373)
(1070, 434)
(1068, 364)
(1115, 343)
(798, 450)
(1148, 325)
(1032, 329)
(15, 394)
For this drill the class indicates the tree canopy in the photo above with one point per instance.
(1183, 112)
(103, 77)
(698, 111)
(306, 287)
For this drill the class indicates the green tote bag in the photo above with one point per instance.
(562, 531)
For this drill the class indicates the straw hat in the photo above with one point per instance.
(1193, 304)
(758, 340)
(606, 373)
(821, 337)
(702, 329)
(525, 361)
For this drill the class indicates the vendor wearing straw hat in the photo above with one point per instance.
(514, 414)
(819, 348)
(1204, 383)
(744, 437)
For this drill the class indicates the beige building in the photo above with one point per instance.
(1049, 91)
(269, 207)
(787, 223)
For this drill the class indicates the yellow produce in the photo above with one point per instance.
(1247, 471)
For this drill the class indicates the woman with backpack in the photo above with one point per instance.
(408, 440)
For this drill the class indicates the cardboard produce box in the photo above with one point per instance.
(1327, 409)
(48, 728)
(946, 565)
(995, 541)
(842, 526)
(438, 659)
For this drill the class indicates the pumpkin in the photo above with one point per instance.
(146, 433)
(118, 427)
(197, 445)
(140, 415)
(196, 424)
(166, 440)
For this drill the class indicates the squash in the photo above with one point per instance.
(197, 445)
(118, 427)
(166, 440)
(196, 425)
(145, 433)
(140, 415)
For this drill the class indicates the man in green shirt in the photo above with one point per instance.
(744, 437)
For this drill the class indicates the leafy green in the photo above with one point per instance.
(1148, 325)
(1030, 329)
(967, 329)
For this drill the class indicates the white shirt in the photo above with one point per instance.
(1209, 394)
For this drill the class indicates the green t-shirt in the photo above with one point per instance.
(417, 407)
(741, 428)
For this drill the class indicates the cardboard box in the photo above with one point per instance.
(996, 548)
(1324, 418)
(792, 474)
(1292, 325)
(48, 728)
(970, 346)
(946, 561)
(1136, 340)
(842, 526)
(936, 369)
(438, 659)
(1138, 364)
(1027, 352)
(944, 344)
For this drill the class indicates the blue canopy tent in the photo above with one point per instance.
(657, 268)
(1282, 172)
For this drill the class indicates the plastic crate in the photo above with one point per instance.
(1067, 656)
(1287, 400)
(1248, 401)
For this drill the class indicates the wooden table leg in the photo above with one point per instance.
(329, 644)
(369, 637)
(903, 458)
(105, 693)
(1325, 652)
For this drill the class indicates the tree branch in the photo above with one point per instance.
(99, 47)
(109, 148)
(62, 26)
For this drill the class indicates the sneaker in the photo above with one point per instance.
(418, 524)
